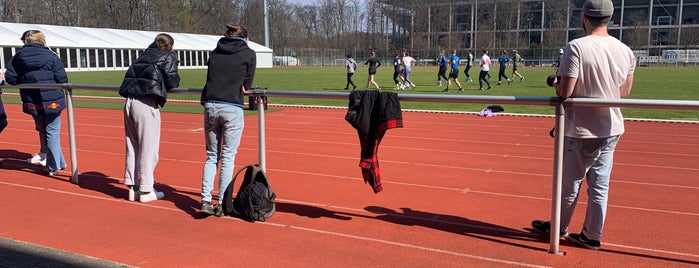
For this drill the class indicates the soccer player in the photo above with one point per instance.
(503, 60)
(454, 74)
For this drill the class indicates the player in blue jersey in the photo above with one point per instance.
(443, 64)
(503, 60)
(454, 74)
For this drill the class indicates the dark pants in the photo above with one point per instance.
(3, 117)
(482, 77)
(502, 74)
(349, 81)
(442, 74)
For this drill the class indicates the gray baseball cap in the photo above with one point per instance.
(598, 8)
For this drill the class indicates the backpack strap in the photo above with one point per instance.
(228, 194)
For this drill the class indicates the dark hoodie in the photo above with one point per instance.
(36, 64)
(231, 66)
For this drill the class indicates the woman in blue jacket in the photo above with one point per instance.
(145, 88)
(36, 63)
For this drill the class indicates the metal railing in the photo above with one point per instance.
(559, 104)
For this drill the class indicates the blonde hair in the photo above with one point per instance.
(34, 36)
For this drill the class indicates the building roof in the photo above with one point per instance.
(83, 37)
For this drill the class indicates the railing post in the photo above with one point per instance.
(68, 91)
(261, 129)
(557, 180)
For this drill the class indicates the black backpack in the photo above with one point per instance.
(255, 198)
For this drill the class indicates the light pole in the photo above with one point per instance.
(529, 33)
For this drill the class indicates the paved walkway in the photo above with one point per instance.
(17, 254)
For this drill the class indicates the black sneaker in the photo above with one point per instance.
(582, 240)
(445, 90)
(544, 227)
(461, 90)
(218, 212)
(207, 207)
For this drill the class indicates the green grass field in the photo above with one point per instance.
(649, 83)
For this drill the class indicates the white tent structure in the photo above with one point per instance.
(100, 49)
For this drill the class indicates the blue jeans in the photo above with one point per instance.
(223, 128)
(49, 128)
(591, 159)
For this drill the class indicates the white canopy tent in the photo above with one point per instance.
(91, 49)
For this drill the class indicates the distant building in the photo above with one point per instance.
(539, 28)
(98, 49)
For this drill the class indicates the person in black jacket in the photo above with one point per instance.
(3, 116)
(231, 72)
(36, 63)
(145, 88)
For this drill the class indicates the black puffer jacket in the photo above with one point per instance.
(36, 64)
(154, 73)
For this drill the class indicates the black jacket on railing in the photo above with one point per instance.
(153, 73)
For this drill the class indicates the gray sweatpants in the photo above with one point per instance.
(142, 127)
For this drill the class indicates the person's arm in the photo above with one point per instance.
(59, 72)
(10, 75)
(625, 88)
(565, 86)
(171, 75)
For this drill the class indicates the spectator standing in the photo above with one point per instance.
(231, 72)
(594, 66)
(35, 63)
(3, 115)
(145, 88)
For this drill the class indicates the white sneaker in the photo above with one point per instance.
(38, 159)
(152, 196)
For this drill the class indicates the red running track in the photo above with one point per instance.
(460, 190)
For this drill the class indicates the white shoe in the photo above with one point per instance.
(152, 196)
(38, 159)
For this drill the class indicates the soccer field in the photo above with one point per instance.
(649, 83)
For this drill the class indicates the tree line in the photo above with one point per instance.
(348, 25)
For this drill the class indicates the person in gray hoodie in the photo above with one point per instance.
(230, 74)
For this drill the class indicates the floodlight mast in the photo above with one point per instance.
(266, 15)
